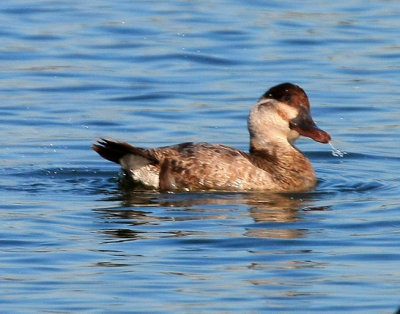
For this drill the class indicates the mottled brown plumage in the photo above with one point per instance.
(272, 164)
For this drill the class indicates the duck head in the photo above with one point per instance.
(283, 112)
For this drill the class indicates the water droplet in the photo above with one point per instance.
(336, 152)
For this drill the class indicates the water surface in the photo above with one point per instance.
(74, 240)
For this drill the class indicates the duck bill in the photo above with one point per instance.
(305, 126)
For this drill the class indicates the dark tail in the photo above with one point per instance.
(114, 151)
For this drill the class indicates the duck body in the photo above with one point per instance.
(273, 163)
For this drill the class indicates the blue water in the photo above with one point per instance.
(73, 239)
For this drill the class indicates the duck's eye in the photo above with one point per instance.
(287, 98)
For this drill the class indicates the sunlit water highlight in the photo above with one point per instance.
(73, 239)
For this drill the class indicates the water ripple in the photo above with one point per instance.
(76, 237)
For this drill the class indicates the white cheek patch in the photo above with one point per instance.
(269, 121)
(274, 114)
(140, 169)
(289, 111)
(276, 109)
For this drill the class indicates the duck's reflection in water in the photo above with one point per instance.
(272, 215)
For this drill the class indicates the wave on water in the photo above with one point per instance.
(344, 175)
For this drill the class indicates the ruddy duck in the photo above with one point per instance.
(273, 163)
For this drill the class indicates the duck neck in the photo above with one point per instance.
(274, 147)
(289, 167)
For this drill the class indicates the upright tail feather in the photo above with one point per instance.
(114, 151)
